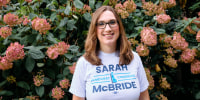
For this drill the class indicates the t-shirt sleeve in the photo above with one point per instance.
(141, 75)
(78, 83)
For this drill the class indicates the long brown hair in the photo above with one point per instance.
(92, 43)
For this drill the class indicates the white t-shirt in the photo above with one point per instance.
(109, 81)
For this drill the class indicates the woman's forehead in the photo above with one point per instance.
(106, 16)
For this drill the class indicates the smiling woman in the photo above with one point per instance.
(109, 68)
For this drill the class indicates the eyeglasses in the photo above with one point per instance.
(111, 23)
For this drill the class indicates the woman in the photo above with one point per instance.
(109, 69)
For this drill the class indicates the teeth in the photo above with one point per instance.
(108, 35)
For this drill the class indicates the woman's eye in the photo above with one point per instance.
(112, 22)
(100, 23)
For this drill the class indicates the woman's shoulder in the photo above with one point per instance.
(82, 60)
(135, 53)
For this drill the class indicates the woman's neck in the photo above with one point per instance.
(108, 49)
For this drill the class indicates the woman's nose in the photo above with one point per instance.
(107, 27)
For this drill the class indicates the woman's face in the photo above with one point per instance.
(107, 29)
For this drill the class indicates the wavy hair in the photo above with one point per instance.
(92, 45)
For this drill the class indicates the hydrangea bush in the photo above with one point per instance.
(41, 41)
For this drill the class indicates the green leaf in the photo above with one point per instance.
(33, 47)
(3, 83)
(68, 63)
(24, 29)
(36, 54)
(69, 56)
(30, 64)
(71, 25)
(106, 2)
(63, 22)
(47, 81)
(24, 85)
(40, 64)
(6, 93)
(63, 34)
(23, 10)
(73, 48)
(6, 41)
(32, 15)
(197, 96)
(146, 22)
(194, 27)
(139, 28)
(78, 4)
(39, 37)
(98, 4)
(91, 3)
(40, 90)
(51, 38)
(60, 76)
(159, 31)
(133, 35)
(50, 73)
(87, 16)
(20, 1)
(53, 16)
(67, 9)
(66, 71)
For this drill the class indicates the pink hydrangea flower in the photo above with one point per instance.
(113, 2)
(72, 68)
(119, 6)
(195, 67)
(5, 64)
(38, 80)
(52, 52)
(26, 20)
(198, 36)
(148, 36)
(29, 1)
(171, 3)
(3, 3)
(15, 51)
(86, 8)
(164, 84)
(57, 93)
(178, 42)
(149, 78)
(57, 49)
(165, 40)
(189, 29)
(199, 14)
(163, 4)
(124, 14)
(188, 55)
(5, 32)
(169, 51)
(142, 50)
(41, 25)
(163, 18)
(64, 83)
(11, 19)
(130, 6)
(152, 8)
(171, 62)
(62, 48)
(121, 10)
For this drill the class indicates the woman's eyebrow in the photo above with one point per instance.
(105, 21)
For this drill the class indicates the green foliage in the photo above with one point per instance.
(70, 24)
